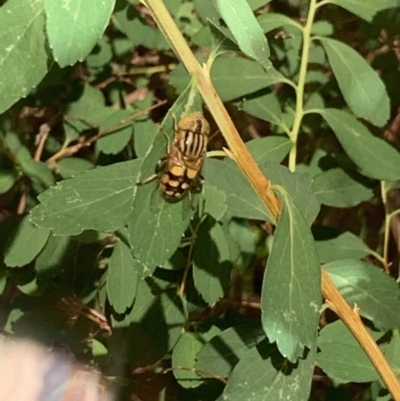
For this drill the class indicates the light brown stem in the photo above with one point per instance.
(352, 320)
(263, 186)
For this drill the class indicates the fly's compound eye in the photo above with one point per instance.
(194, 122)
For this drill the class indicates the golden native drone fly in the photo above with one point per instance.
(181, 167)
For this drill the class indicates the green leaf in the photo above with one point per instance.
(375, 293)
(24, 243)
(263, 374)
(3, 280)
(100, 199)
(220, 355)
(211, 261)
(156, 225)
(360, 85)
(227, 76)
(392, 352)
(312, 167)
(317, 56)
(145, 133)
(214, 202)
(31, 288)
(345, 246)
(322, 27)
(113, 125)
(289, 52)
(99, 352)
(72, 166)
(59, 253)
(101, 55)
(39, 172)
(175, 7)
(177, 261)
(298, 185)
(270, 21)
(341, 356)
(71, 133)
(222, 39)
(74, 29)
(241, 198)
(90, 100)
(336, 188)
(139, 33)
(118, 134)
(376, 158)
(155, 324)
(242, 23)
(206, 10)
(269, 149)
(265, 107)
(7, 179)
(291, 295)
(255, 4)
(13, 143)
(244, 239)
(184, 357)
(367, 8)
(23, 57)
(122, 278)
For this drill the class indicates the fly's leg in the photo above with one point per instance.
(175, 121)
(191, 201)
(159, 168)
(167, 138)
(148, 179)
(166, 135)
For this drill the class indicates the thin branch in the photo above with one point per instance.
(301, 85)
(85, 142)
(263, 186)
(41, 138)
(197, 371)
(353, 321)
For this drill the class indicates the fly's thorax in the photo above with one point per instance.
(194, 122)
(191, 135)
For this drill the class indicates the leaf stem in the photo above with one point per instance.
(388, 219)
(305, 54)
(181, 291)
(386, 234)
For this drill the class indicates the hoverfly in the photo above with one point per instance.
(180, 168)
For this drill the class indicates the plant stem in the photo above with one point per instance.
(301, 84)
(189, 261)
(386, 235)
(388, 219)
(352, 320)
(262, 186)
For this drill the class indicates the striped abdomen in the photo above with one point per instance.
(179, 176)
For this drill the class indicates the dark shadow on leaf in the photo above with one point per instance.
(212, 270)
